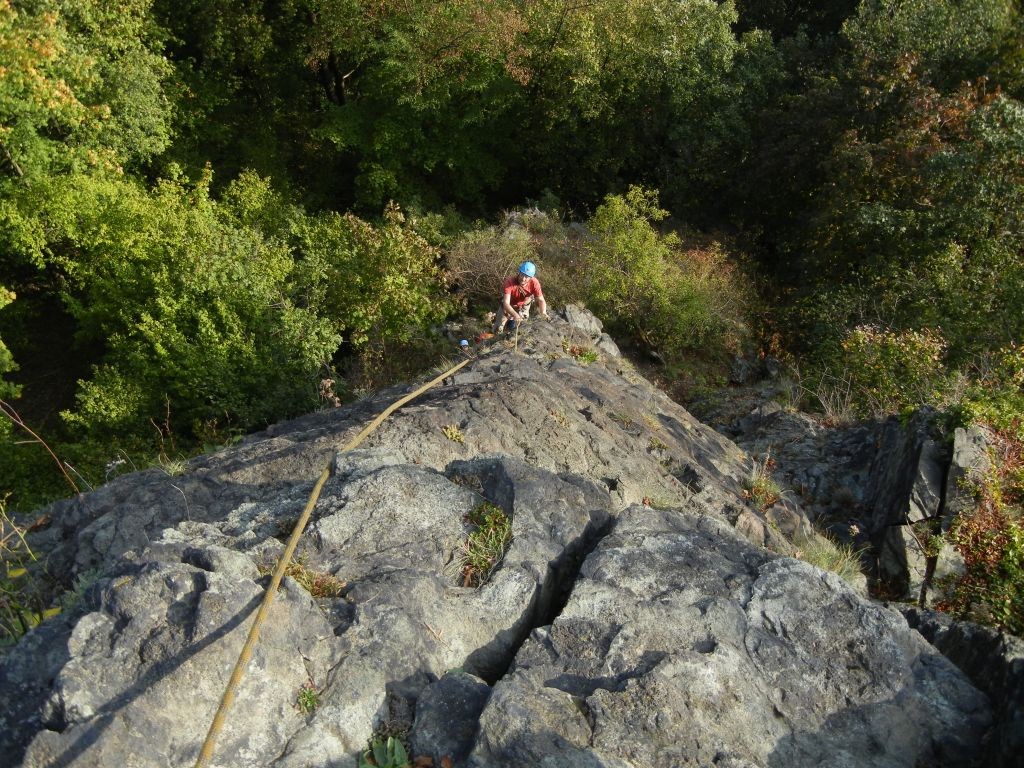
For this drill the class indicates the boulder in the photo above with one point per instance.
(683, 645)
(967, 469)
(447, 714)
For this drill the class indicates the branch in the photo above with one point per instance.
(14, 163)
(8, 410)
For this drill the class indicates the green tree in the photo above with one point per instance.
(672, 300)
(194, 312)
(7, 364)
(623, 92)
(784, 18)
(886, 185)
(245, 96)
(420, 93)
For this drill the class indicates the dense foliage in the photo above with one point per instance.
(210, 209)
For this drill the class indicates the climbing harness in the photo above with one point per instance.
(206, 752)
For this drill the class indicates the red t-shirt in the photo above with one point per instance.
(518, 294)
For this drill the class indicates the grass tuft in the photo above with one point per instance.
(761, 488)
(486, 545)
(820, 551)
(318, 583)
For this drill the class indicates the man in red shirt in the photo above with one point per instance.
(519, 291)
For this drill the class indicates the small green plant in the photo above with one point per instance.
(560, 418)
(453, 433)
(74, 596)
(308, 698)
(621, 418)
(651, 420)
(820, 551)
(485, 546)
(384, 754)
(318, 583)
(172, 467)
(657, 445)
(761, 487)
(580, 353)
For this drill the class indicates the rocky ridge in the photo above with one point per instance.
(644, 613)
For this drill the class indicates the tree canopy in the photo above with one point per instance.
(223, 200)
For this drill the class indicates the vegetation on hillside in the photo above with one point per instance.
(217, 214)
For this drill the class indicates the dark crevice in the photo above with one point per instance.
(931, 561)
(491, 664)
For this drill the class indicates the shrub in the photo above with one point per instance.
(7, 364)
(481, 259)
(227, 310)
(893, 370)
(991, 540)
(371, 282)
(995, 393)
(671, 299)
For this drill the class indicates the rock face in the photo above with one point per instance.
(994, 661)
(684, 645)
(636, 619)
(882, 486)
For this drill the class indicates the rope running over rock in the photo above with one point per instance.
(282, 564)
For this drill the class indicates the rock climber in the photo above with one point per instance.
(518, 293)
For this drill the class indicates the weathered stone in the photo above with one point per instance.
(134, 675)
(681, 643)
(968, 467)
(742, 369)
(994, 661)
(446, 717)
(392, 536)
(582, 320)
(607, 346)
(147, 669)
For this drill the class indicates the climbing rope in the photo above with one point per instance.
(282, 564)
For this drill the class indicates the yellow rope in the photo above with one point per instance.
(282, 564)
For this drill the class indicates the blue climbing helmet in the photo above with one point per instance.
(528, 268)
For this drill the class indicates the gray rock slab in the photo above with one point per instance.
(684, 645)
(994, 661)
(148, 668)
(394, 536)
(968, 467)
(446, 717)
